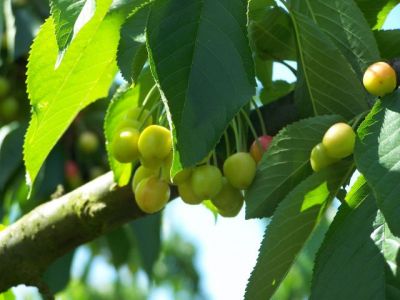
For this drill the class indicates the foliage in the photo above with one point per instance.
(204, 69)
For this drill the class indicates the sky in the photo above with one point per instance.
(227, 250)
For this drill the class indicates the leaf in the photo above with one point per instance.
(387, 243)
(293, 222)
(388, 43)
(58, 274)
(65, 13)
(119, 245)
(9, 295)
(257, 8)
(272, 35)
(11, 140)
(276, 90)
(345, 24)
(124, 99)
(57, 95)
(132, 52)
(200, 56)
(264, 69)
(376, 155)
(376, 11)
(348, 264)
(285, 165)
(332, 85)
(148, 236)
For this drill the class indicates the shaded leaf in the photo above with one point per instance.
(290, 227)
(200, 55)
(272, 35)
(148, 236)
(285, 164)
(65, 13)
(348, 264)
(376, 11)
(331, 84)
(11, 140)
(276, 90)
(257, 8)
(119, 245)
(388, 43)
(58, 274)
(132, 52)
(345, 24)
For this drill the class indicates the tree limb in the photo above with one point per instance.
(52, 229)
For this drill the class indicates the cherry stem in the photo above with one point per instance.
(252, 129)
(260, 118)
(152, 110)
(227, 144)
(356, 120)
(214, 156)
(147, 98)
(236, 134)
(241, 132)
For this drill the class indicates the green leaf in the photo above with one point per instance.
(348, 264)
(124, 99)
(376, 11)
(377, 154)
(119, 245)
(65, 13)
(332, 85)
(200, 55)
(132, 52)
(257, 9)
(264, 70)
(286, 164)
(276, 90)
(59, 92)
(387, 243)
(345, 24)
(11, 140)
(272, 36)
(388, 43)
(58, 274)
(293, 222)
(9, 295)
(148, 236)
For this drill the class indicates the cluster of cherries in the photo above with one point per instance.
(379, 79)
(137, 138)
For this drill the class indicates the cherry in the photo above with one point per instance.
(9, 109)
(4, 86)
(145, 116)
(229, 200)
(152, 194)
(320, 159)
(256, 152)
(88, 142)
(206, 181)
(155, 142)
(240, 170)
(187, 194)
(339, 140)
(72, 174)
(125, 145)
(182, 176)
(140, 174)
(380, 79)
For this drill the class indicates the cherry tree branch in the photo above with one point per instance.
(52, 229)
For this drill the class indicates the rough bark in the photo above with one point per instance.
(30, 245)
